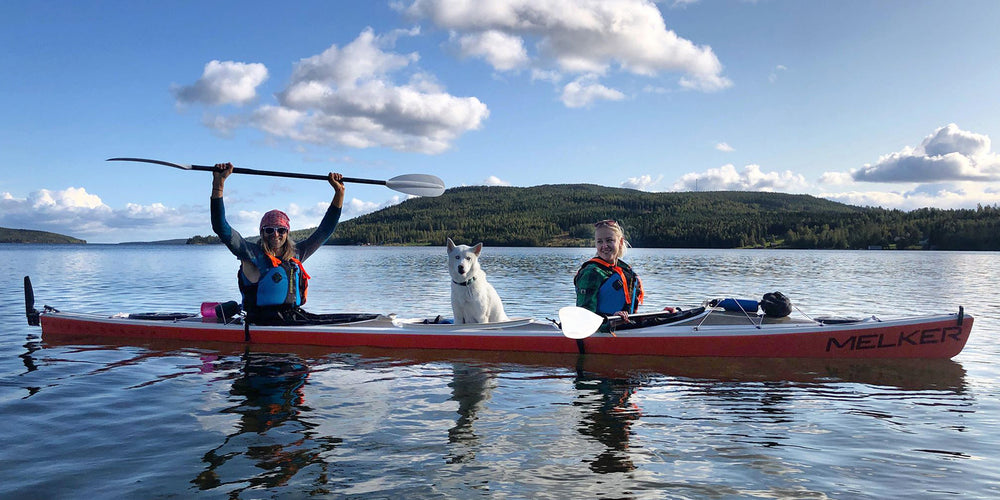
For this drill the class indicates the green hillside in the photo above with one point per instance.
(30, 236)
(563, 215)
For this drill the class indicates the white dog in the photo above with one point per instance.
(473, 299)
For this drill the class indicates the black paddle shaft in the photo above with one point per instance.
(295, 175)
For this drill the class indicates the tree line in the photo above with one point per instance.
(563, 215)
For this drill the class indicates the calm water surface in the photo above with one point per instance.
(214, 421)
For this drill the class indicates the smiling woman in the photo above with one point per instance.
(271, 278)
(605, 284)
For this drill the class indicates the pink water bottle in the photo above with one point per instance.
(208, 309)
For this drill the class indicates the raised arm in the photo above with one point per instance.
(325, 229)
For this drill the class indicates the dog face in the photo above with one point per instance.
(463, 261)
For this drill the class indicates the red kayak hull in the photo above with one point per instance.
(940, 336)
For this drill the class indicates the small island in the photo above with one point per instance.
(8, 235)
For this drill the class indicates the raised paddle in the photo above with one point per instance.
(415, 184)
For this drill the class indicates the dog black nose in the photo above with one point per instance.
(461, 269)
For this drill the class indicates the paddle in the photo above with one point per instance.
(29, 303)
(415, 184)
(579, 323)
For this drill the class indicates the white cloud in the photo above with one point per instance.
(495, 181)
(951, 139)
(501, 50)
(70, 199)
(587, 37)
(347, 96)
(953, 196)
(224, 82)
(642, 183)
(948, 154)
(357, 208)
(773, 77)
(836, 178)
(75, 212)
(724, 147)
(550, 76)
(726, 178)
(583, 92)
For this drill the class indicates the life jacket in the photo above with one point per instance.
(621, 290)
(281, 283)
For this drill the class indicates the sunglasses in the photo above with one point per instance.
(607, 222)
(271, 230)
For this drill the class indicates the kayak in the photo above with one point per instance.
(705, 331)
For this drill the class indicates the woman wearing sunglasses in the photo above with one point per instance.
(606, 284)
(271, 277)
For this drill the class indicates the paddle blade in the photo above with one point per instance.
(417, 184)
(29, 303)
(157, 162)
(579, 323)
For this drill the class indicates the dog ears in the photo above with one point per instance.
(478, 248)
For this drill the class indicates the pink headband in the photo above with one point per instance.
(274, 218)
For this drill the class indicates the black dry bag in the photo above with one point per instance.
(776, 305)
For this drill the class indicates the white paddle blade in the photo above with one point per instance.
(417, 184)
(579, 323)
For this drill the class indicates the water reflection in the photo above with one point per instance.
(27, 357)
(471, 387)
(608, 414)
(271, 433)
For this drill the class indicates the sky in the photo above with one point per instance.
(889, 103)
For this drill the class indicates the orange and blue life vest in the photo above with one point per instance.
(281, 283)
(620, 291)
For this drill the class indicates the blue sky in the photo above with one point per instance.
(882, 103)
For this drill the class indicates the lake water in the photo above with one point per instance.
(164, 420)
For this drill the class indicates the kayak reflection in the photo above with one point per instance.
(271, 433)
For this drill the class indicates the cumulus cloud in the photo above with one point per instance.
(587, 37)
(360, 95)
(357, 208)
(642, 183)
(752, 178)
(78, 213)
(224, 82)
(347, 96)
(75, 212)
(495, 181)
(948, 154)
(836, 178)
(584, 91)
(501, 50)
(951, 196)
(724, 147)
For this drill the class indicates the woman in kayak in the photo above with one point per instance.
(606, 284)
(271, 277)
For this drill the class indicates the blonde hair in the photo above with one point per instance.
(284, 252)
(619, 235)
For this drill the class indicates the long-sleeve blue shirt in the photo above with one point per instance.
(247, 251)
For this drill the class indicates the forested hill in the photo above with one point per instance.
(563, 215)
(30, 236)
